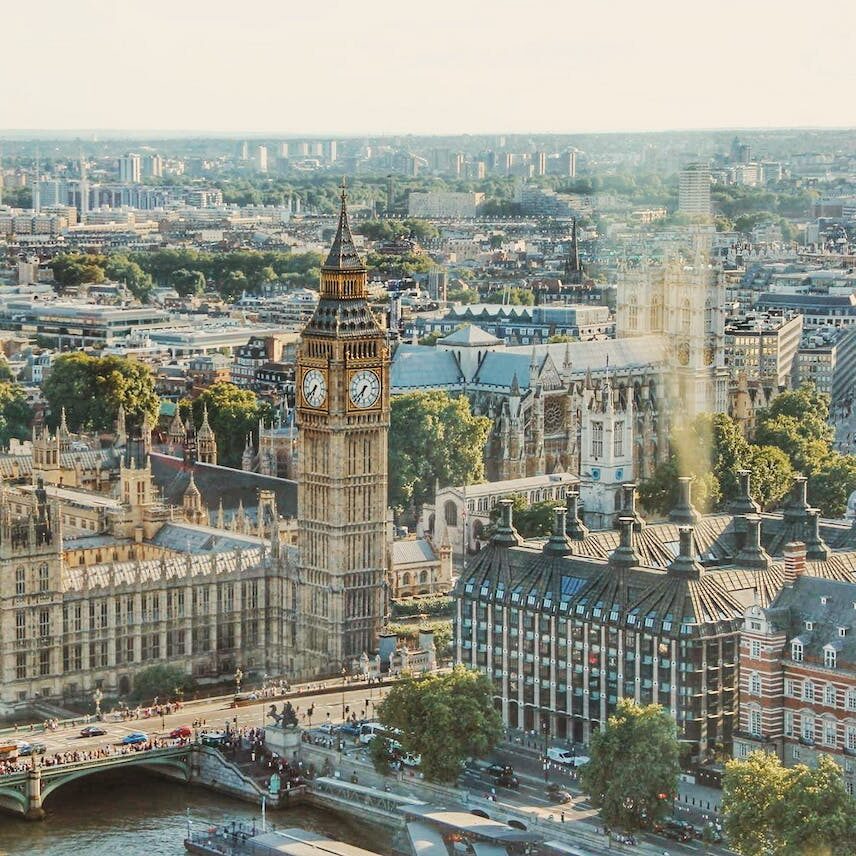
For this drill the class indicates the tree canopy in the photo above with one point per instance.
(161, 681)
(16, 416)
(73, 269)
(433, 437)
(445, 718)
(233, 413)
(797, 811)
(92, 388)
(632, 775)
(531, 521)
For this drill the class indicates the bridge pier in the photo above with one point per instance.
(34, 795)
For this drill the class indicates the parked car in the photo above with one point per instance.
(92, 731)
(135, 737)
(677, 830)
(351, 728)
(327, 728)
(181, 731)
(566, 757)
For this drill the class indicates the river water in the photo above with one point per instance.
(133, 814)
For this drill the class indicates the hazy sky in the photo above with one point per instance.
(441, 66)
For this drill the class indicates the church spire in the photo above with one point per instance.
(343, 254)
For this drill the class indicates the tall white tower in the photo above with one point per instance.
(37, 190)
(84, 189)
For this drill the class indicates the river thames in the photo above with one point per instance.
(133, 814)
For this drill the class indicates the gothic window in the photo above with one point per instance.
(450, 512)
(20, 625)
(43, 577)
(597, 439)
(423, 577)
(20, 581)
(686, 316)
(657, 315)
(632, 314)
(618, 440)
(405, 579)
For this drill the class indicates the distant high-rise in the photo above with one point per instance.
(540, 163)
(37, 187)
(130, 169)
(283, 150)
(331, 152)
(260, 158)
(152, 166)
(694, 189)
(566, 164)
(84, 190)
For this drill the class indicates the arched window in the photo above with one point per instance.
(657, 314)
(450, 512)
(423, 577)
(632, 313)
(686, 316)
(405, 579)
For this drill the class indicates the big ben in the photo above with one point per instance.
(342, 396)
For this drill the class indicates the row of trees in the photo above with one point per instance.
(791, 436)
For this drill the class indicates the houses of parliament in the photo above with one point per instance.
(116, 558)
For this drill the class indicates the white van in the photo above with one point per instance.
(370, 730)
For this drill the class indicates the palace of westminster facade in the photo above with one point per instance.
(102, 577)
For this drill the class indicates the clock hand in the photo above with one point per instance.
(365, 387)
(312, 391)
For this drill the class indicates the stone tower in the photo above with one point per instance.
(343, 416)
(206, 442)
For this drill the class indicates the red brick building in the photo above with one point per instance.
(798, 671)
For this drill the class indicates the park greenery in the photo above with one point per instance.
(389, 230)
(791, 436)
(91, 388)
(188, 271)
(233, 413)
(446, 718)
(434, 438)
(796, 811)
(632, 775)
(442, 631)
(434, 605)
(160, 681)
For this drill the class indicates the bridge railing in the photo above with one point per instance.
(118, 758)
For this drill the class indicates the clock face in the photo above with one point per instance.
(364, 388)
(314, 388)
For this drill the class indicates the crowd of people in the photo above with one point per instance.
(75, 756)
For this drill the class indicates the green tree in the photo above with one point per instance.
(633, 772)
(772, 474)
(92, 388)
(120, 268)
(187, 282)
(531, 521)
(831, 486)
(233, 413)
(160, 681)
(433, 437)
(72, 269)
(445, 718)
(798, 811)
(797, 422)
(16, 416)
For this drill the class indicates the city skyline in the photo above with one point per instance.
(471, 69)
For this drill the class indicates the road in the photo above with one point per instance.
(214, 714)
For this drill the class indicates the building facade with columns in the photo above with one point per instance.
(567, 626)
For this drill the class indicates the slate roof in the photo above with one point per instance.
(412, 551)
(417, 367)
(469, 335)
(188, 538)
(803, 602)
(217, 483)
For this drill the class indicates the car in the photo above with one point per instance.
(558, 794)
(135, 737)
(411, 760)
(92, 731)
(351, 728)
(327, 728)
(213, 738)
(567, 757)
(677, 830)
(181, 732)
(503, 776)
(38, 748)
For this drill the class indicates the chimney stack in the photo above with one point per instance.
(743, 502)
(558, 544)
(815, 546)
(684, 513)
(624, 556)
(505, 535)
(685, 563)
(796, 508)
(753, 555)
(628, 505)
(575, 529)
(795, 555)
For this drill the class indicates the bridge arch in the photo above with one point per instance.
(55, 778)
(14, 799)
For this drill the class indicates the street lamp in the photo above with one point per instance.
(239, 676)
(97, 696)
(344, 674)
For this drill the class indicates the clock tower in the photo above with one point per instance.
(342, 396)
